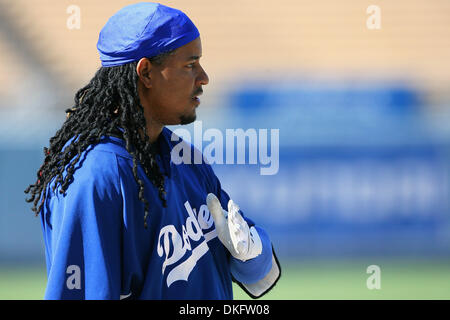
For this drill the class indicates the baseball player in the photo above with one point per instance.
(120, 220)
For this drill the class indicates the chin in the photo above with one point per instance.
(188, 119)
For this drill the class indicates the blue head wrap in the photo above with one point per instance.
(143, 30)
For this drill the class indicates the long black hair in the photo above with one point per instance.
(108, 102)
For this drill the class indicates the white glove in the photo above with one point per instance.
(233, 231)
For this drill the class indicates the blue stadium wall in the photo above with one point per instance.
(360, 173)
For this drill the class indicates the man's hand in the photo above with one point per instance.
(233, 231)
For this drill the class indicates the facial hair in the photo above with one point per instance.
(186, 119)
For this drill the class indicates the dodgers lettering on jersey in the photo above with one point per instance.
(97, 246)
(169, 238)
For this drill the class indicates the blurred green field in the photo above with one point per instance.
(413, 279)
(333, 280)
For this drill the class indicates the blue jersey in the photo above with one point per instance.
(97, 246)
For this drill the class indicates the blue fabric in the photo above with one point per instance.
(97, 246)
(253, 270)
(143, 30)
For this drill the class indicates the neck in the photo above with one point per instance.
(153, 130)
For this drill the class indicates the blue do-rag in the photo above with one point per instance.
(143, 30)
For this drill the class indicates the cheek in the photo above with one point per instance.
(179, 82)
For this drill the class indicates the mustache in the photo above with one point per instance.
(198, 92)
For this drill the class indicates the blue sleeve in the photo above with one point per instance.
(254, 269)
(82, 233)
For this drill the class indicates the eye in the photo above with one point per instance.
(191, 65)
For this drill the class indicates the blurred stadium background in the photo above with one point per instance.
(364, 119)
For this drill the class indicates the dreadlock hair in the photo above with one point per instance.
(108, 102)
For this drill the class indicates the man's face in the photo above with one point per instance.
(171, 94)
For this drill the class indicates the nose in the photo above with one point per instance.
(202, 79)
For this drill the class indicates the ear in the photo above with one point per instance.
(144, 69)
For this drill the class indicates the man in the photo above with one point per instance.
(120, 219)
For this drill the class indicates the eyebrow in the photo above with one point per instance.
(193, 58)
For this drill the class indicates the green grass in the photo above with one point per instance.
(328, 280)
(22, 283)
(307, 280)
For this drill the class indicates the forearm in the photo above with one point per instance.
(258, 275)
(255, 269)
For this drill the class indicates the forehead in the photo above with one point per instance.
(190, 51)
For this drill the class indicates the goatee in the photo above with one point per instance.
(187, 119)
